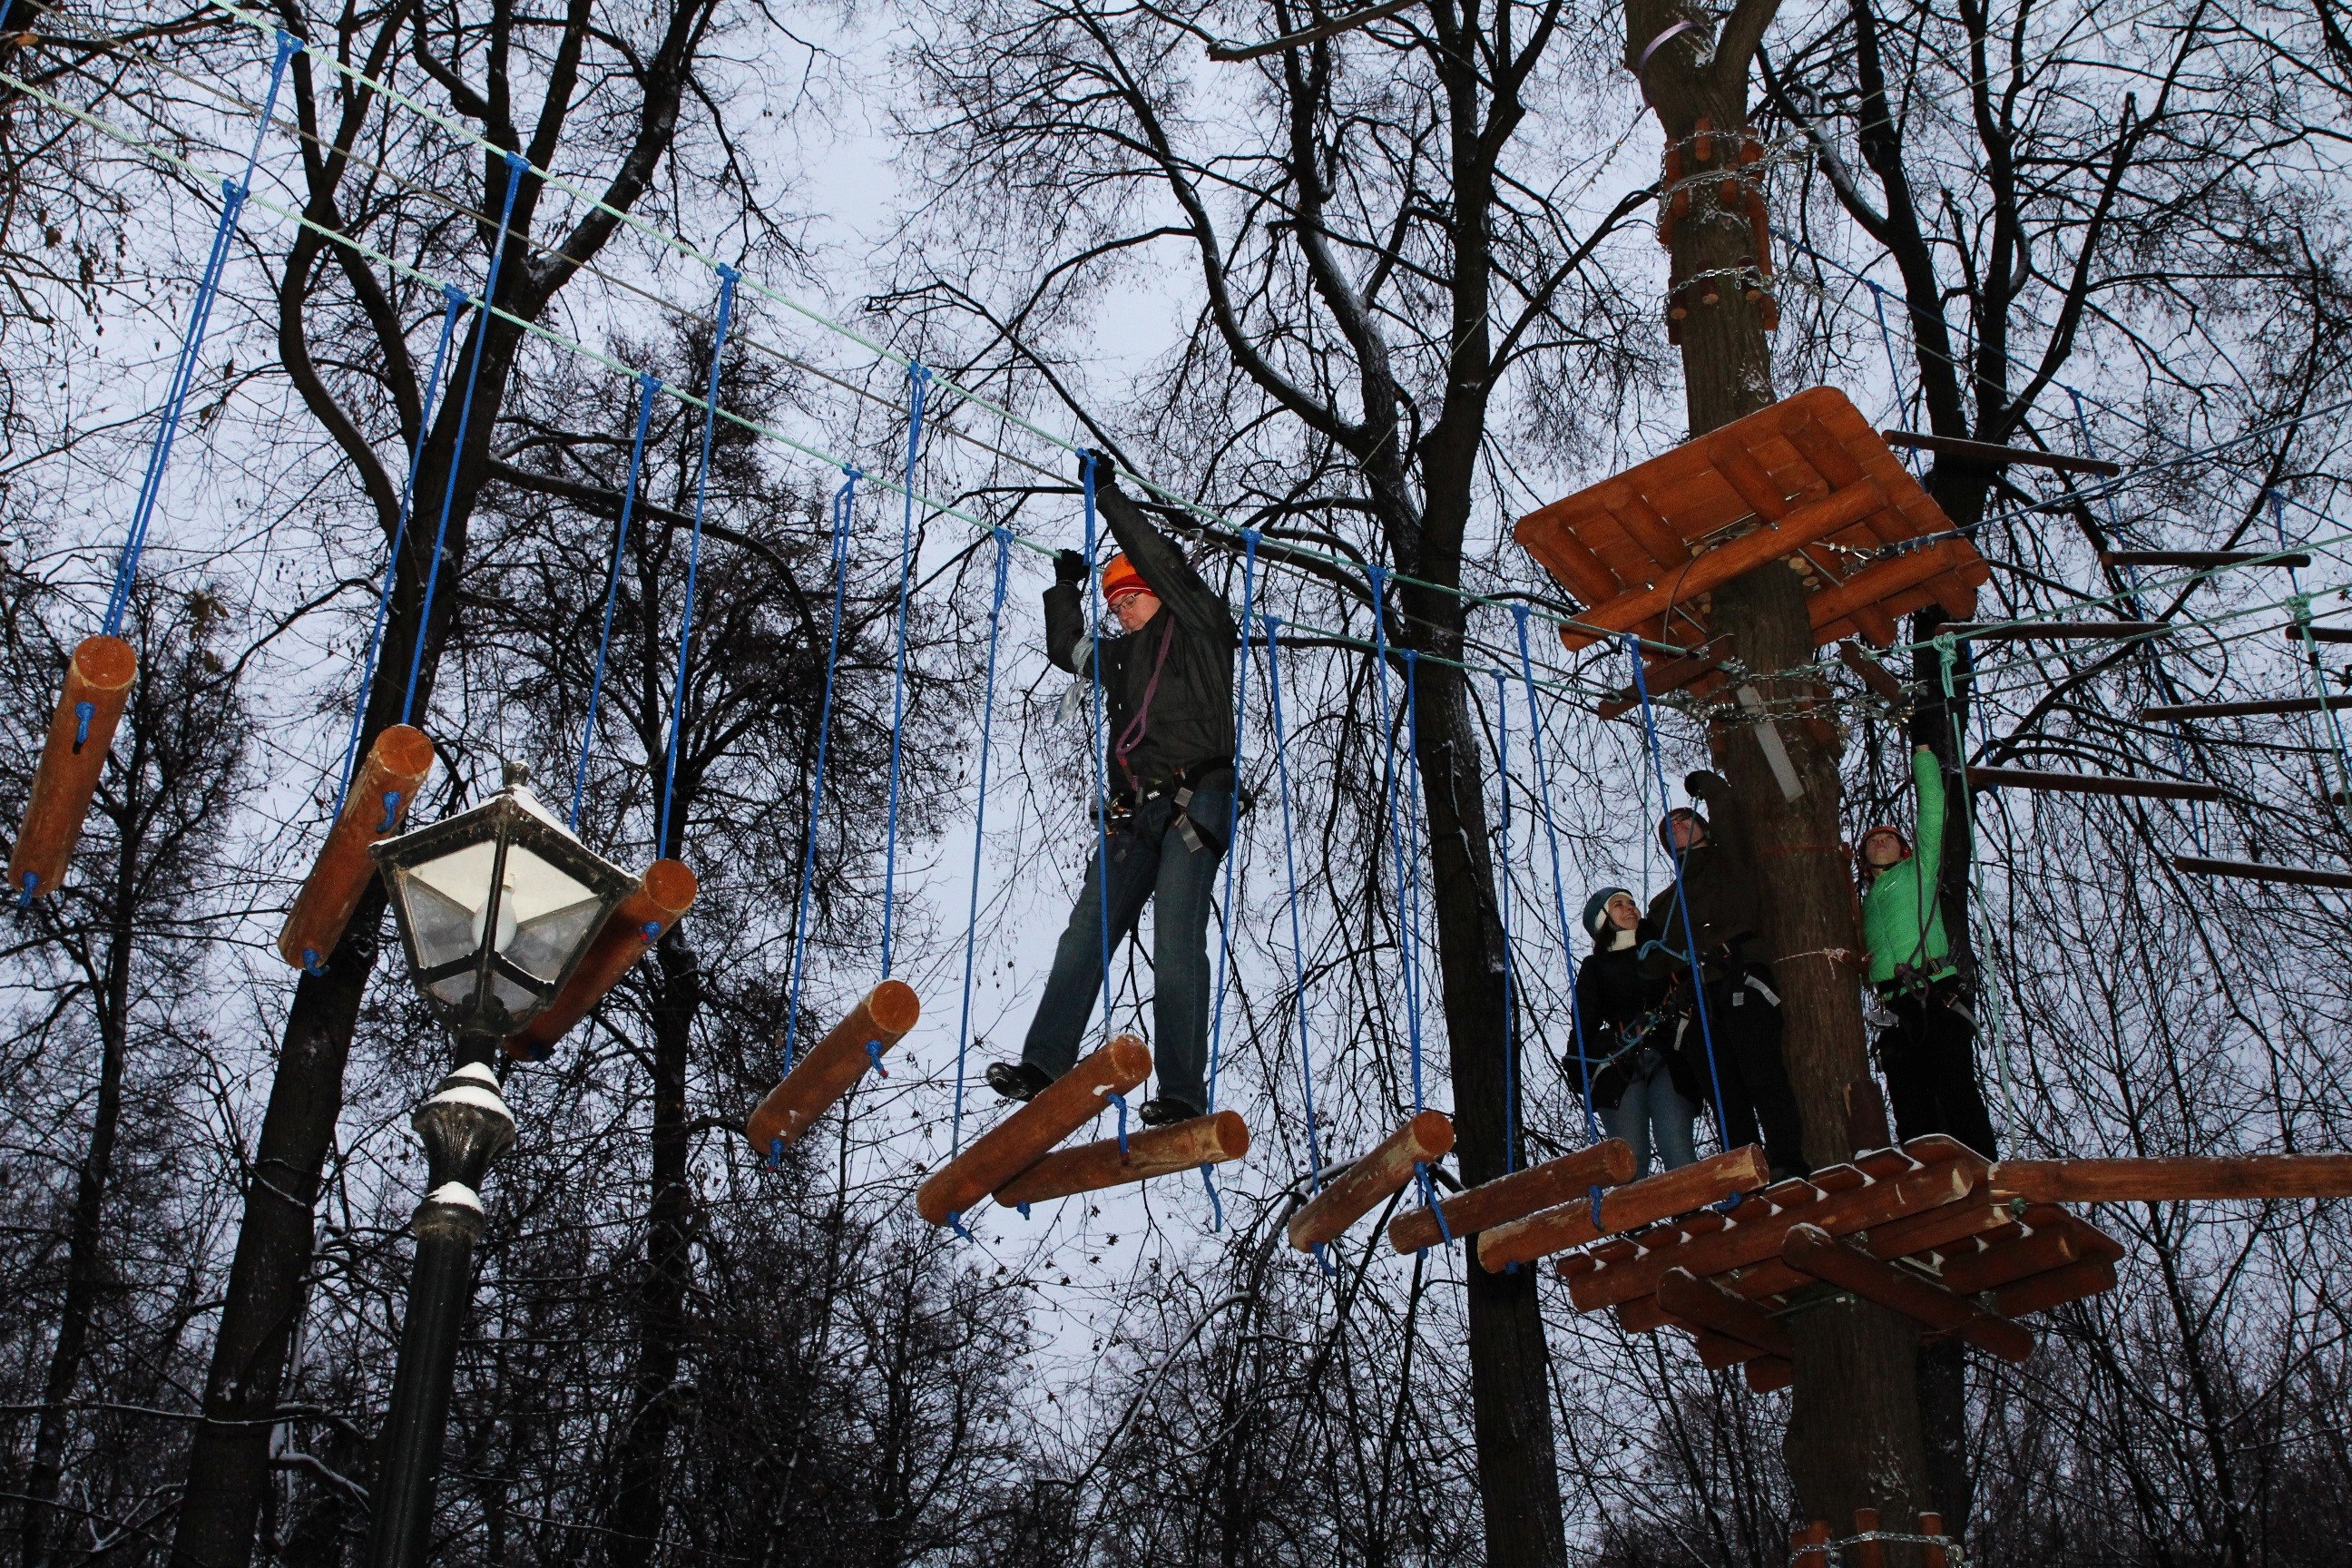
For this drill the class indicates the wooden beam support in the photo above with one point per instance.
(2216, 1177)
(2173, 712)
(1357, 1191)
(1767, 1374)
(1875, 674)
(1025, 1137)
(1812, 1250)
(2089, 1277)
(1671, 675)
(2255, 872)
(1568, 1179)
(1154, 1151)
(2091, 783)
(2203, 558)
(827, 1070)
(1637, 1204)
(2318, 634)
(1995, 456)
(1710, 1306)
(1989, 1269)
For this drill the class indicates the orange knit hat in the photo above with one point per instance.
(1119, 579)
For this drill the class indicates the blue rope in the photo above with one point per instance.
(1379, 576)
(1559, 881)
(648, 388)
(1503, 911)
(192, 346)
(516, 164)
(727, 276)
(917, 378)
(1411, 771)
(979, 829)
(1250, 541)
(845, 500)
(1101, 737)
(1903, 401)
(1290, 862)
(453, 303)
(1682, 903)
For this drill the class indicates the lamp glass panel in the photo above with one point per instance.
(457, 990)
(516, 1000)
(545, 916)
(445, 898)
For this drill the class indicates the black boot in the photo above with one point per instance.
(1165, 1110)
(1016, 1080)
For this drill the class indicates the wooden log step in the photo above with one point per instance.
(1752, 1238)
(1636, 1204)
(1367, 1183)
(2258, 871)
(2187, 1176)
(1708, 1305)
(81, 731)
(660, 900)
(2053, 631)
(2087, 1276)
(2171, 713)
(1812, 1250)
(1024, 1138)
(2037, 1252)
(1154, 1151)
(1607, 1164)
(382, 791)
(1994, 455)
(2091, 783)
(827, 1070)
(2318, 634)
(2203, 558)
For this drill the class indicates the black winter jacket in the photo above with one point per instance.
(1611, 991)
(1191, 717)
(1719, 887)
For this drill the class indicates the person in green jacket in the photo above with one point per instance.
(1929, 1051)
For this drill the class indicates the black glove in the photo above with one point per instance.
(1703, 784)
(1069, 567)
(1106, 476)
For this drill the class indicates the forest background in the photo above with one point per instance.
(2105, 228)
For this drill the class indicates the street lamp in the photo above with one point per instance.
(495, 907)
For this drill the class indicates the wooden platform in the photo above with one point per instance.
(1806, 480)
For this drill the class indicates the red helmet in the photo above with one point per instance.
(1861, 846)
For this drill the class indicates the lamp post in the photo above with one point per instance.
(496, 906)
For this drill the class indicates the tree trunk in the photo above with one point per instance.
(1853, 1437)
(637, 1506)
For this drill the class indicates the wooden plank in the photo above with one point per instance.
(1874, 585)
(1727, 448)
(1820, 446)
(2056, 631)
(1708, 1305)
(2215, 1177)
(1644, 525)
(1641, 1202)
(1994, 1266)
(2318, 634)
(1553, 541)
(2204, 558)
(1769, 1373)
(2252, 871)
(2091, 783)
(2172, 713)
(1996, 456)
(1568, 1179)
(1814, 1251)
(1153, 1152)
(1752, 1240)
(1356, 1192)
(2088, 1277)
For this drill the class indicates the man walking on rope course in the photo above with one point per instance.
(1927, 1052)
(1716, 889)
(1168, 693)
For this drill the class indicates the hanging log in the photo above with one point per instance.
(2091, 783)
(2148, 1181)
(1812, 1250)
(1154, 1151)
(2169, 713)
(395, 767)
(2054, 631)
(1998, 456)
(1025, 1136)
(98, 684)
(1710, 1306)
(664, 894)
(1637, 1204)
(1361, 1188)
(1747, 1240)
(2256, 871)
(833, 1063)
(2207, 559)
(1565, 1179)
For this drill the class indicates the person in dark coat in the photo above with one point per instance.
(1640, 1082)
(1167, 699)
(1713, 910)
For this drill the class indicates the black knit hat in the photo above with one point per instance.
(1667, 822)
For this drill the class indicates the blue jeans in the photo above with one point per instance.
(1652, 1107)
(1149, 860)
